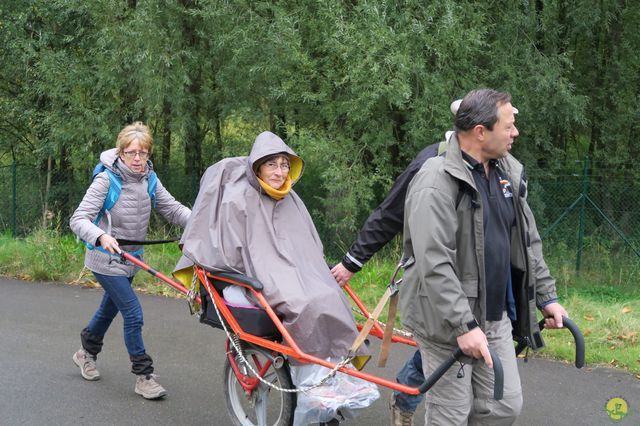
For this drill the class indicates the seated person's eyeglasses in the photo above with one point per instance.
(132, 154)
(272, 165)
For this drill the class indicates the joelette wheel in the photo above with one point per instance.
(264, 405)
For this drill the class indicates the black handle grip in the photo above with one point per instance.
(498, 384)
(498, 376)
(577, 337)
(145, 242)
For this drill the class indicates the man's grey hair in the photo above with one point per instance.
(480, 107)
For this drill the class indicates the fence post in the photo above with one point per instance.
(585, 189)
(14, 199)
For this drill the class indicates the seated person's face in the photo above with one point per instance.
(274, 171)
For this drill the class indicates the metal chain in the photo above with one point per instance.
(235, 342)
(191, 294)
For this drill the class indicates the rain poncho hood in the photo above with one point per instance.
(235, 226)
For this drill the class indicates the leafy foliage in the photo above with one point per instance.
(358, 88)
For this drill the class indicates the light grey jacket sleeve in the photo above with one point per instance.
(170, 208)
(434, 249)
(81, 221)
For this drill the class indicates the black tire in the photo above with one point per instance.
(277, 407)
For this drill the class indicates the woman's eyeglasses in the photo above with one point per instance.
(130, 155)
(272, 166)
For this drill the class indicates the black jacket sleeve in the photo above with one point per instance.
(387, 219)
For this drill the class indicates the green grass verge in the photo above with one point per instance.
(43, 256)
(606, 309)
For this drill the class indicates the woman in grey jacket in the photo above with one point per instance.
(128, 219)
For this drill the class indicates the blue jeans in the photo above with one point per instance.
(119, 297)
(410, 375)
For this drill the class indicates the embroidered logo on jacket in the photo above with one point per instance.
(507, 190)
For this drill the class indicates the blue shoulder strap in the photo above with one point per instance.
(151, 189)
(115, 188)
(97, 169)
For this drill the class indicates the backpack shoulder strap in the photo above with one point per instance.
(151, 188)
(442, 147)
(115, 187)
(99, 168)
(462, 188)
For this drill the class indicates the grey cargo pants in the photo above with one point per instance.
(469, 400)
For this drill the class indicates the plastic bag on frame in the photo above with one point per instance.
(340, 397)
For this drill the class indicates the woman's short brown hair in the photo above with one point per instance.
(135, 131)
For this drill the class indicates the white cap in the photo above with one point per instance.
(456, 104)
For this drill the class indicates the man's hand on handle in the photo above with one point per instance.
(341, 274)
(474, 343)
(554, 313)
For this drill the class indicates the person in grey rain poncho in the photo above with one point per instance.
(240, 223)
(247, 219)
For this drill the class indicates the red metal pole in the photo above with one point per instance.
(293, 350)
(176, 285)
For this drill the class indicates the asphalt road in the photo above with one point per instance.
(40, 385)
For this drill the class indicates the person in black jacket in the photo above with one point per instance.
(384, 223)
(382, 226)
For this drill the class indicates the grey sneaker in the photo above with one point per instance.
(147, 386)
(87, 364)
(398, 417)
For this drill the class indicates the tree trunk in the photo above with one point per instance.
(219, 142)
(400, 136)
(166, 135)
(193, 131)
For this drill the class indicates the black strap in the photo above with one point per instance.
(463, 188)
(145, 243)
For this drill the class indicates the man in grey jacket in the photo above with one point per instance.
(479, 271)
